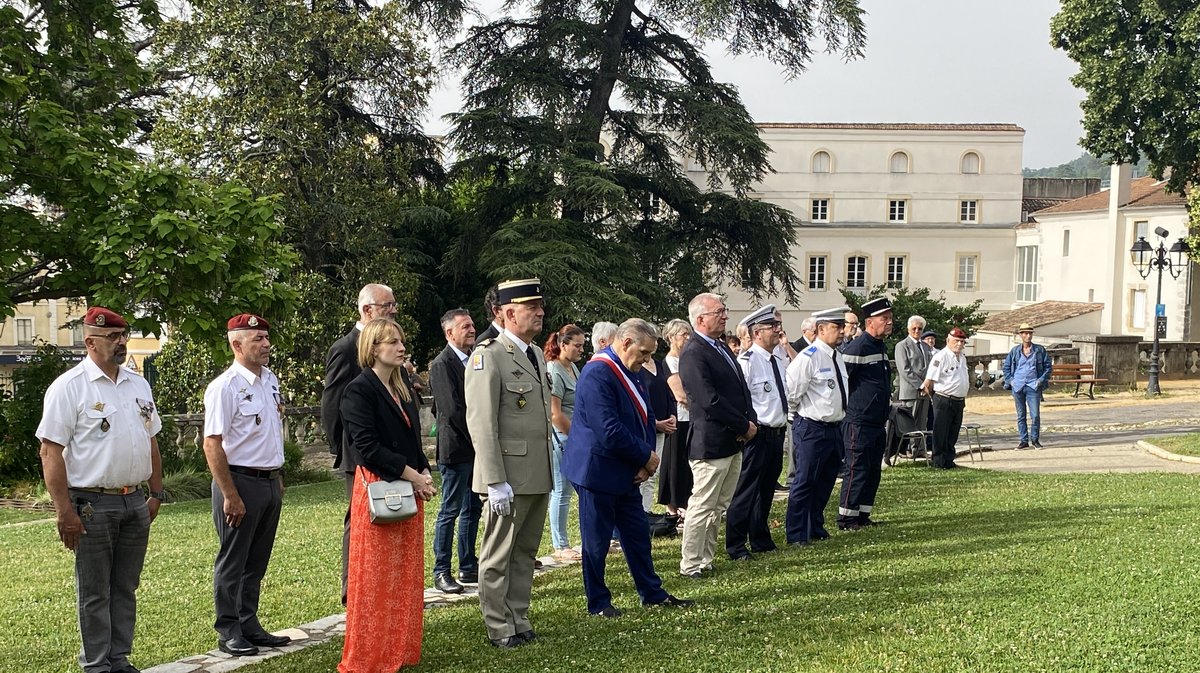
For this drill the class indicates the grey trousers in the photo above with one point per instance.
(244, 554)
(108, 568)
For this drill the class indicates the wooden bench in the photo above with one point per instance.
(1077, 374)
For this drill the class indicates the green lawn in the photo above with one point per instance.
(10, 515)
(1187, 444)
(973, 571)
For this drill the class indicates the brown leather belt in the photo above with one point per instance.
(122, 490)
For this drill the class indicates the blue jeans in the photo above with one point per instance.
(461, 504)
(1033, 398)
(560, 496)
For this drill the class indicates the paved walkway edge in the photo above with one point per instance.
(1164, 454)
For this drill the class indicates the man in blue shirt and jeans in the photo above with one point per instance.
(1027, 373)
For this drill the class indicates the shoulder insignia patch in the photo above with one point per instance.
(477, 360)
(810, 350)
(483, 344)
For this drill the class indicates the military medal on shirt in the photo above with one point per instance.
(146, 411)
(104, 424)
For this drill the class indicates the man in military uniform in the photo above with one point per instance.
(870, 382)
(98, 445)
(816, 388)
(508, 417)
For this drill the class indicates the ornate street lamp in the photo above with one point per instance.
(1146, 258)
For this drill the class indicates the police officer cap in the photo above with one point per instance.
(518, 291)
(876, 306)
(834, 315)
(763, 316)
(98, 316)
(246, 321)
(957, 333)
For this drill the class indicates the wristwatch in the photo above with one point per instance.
(160, 496)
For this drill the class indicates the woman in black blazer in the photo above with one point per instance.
(385, 588)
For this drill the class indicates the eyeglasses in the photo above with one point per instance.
(389, 304)
(720, 311)
(114, 337)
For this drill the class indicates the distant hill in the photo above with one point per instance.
(1086, 166)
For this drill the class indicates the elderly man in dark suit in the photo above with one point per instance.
(609, 453)
(723, 420)
(341, 367)
(455, 456)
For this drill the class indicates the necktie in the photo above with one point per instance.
(724, 351)
(779, 383)
(532, 360)
(837, 372)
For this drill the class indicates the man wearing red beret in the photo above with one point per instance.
(98, 445)
(243, 442)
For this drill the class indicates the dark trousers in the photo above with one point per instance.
(599, 514)
(108, 568)
(244, 554)
(749, 512)
(459, 504)
(817, 454)
(860, 476)
(947, 421)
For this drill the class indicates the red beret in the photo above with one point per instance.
(98, 316)
(246, 321)
(957, 333)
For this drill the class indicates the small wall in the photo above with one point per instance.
(1115, 357)
(1177, 359)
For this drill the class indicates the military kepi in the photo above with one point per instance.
(518, 291)
(246, 321)
(98, 316)
(834, 315)
(763, 316)
(877, 306)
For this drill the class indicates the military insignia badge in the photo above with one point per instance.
(521, 402)
(104, 425)
(253, 321)
(100, 320)
(767, 387)
(831, 384)
(99, 406)
(477, 360)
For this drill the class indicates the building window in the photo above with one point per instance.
(968, 273)
(1066, 242)
(77, 334)
(970, 163)
(24, 328)
(817, 270)
(898, 210)
(820, 210)
(899, 163)
(822, 163)
(1141, 229)
(896, 267)
(1137, 309)
(968, 211)
(856, 273)
(1027, 257)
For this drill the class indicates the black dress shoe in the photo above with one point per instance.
(694, 575)
(820, 535)
(1037, 444)
(468, 578)
(800, 543)
(238, 647)
(853, 525)
(1022, 446)
(865, 521)
(265, 639)
(129, 668)
(763, 550)
(744, 556)
(528, 636)
(671, 602)
(507, 643)
(537, 564)
(608, 613)
(446, 584)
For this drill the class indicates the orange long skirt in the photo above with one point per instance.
(385, 591)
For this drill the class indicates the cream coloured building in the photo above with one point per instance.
(915, 205)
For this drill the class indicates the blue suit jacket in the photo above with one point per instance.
(608, 443)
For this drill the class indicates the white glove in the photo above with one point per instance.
(500, 497)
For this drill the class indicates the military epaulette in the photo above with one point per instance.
(485, 342)
(810, 350)
(744, 355)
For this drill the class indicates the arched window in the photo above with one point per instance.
(970, 163)
(822, 163)
(899, 163)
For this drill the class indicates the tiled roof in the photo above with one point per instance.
(890, 126)
(1031, 205)
(1038, 315)
(1143, 193)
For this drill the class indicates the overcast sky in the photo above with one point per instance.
(948, 61)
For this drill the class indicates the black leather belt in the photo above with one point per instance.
(951, 397)
(252, 472)
(827, 424)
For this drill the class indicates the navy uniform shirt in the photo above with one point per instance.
(870, 380)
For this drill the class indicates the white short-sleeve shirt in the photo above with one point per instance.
(105, 426)
(244, 410)
(949, 373)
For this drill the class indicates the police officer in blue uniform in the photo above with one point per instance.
(816, 391)
(870, 382)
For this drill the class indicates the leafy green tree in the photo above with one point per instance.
(1138, 63)
(19, 448)
(577, 116)
(907, 302)
(83, 214)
